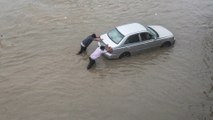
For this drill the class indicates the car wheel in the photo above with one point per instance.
(125, 54)
(166, 44)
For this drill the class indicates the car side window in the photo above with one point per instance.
(132, 39)
(146, 36)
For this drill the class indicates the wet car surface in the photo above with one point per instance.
(134, 38)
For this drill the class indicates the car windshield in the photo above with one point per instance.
(153, 32)
(115, 36)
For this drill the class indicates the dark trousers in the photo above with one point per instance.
(83, 49)
(91, 63)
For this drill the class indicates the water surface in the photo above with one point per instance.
(41, 78)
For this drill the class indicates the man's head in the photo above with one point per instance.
(93, 35)
(102, 47)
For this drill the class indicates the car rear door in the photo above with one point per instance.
(132, 43)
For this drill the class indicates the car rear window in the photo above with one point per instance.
(115, 36)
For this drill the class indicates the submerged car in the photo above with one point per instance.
(133, 38)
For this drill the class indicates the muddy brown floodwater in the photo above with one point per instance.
(41, 78)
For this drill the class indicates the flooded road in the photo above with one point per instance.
(41, 78)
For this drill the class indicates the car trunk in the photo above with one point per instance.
(106, 40)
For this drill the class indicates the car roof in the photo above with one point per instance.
(131, 28)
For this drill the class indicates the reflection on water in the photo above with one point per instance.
(42, 78)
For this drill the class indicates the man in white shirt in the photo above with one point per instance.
(96, 54)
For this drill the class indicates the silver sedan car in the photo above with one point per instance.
(133, 38)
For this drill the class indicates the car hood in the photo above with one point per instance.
(106, 40)
(162, 31)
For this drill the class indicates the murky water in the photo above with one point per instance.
(41, 78)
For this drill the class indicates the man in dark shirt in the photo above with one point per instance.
(87, 41)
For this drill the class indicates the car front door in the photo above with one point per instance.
(148, 40)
